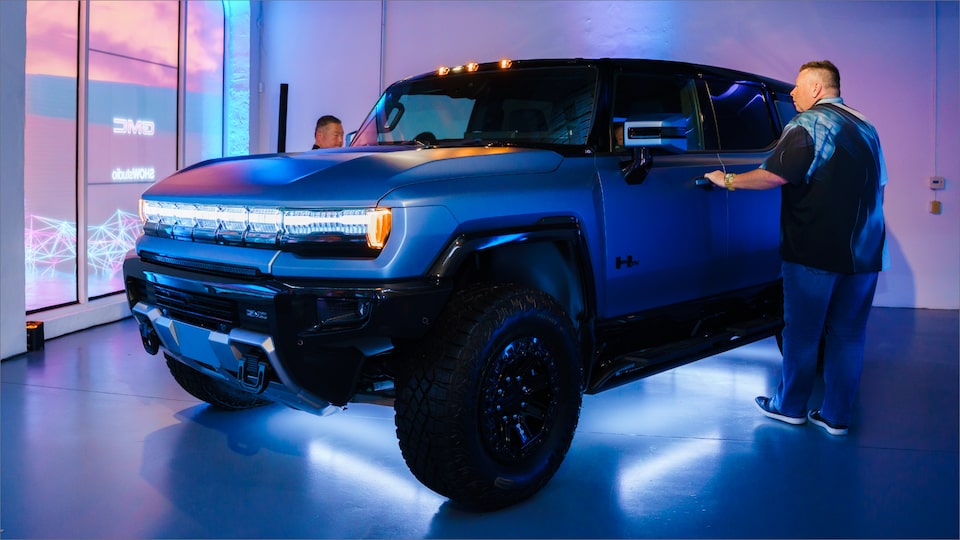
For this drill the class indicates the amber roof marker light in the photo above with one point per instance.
(471, 67)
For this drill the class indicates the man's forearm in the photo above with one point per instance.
(755, 179)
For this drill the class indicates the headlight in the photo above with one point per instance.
(379, 223)
(267, 226)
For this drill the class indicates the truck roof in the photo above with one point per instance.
(631, 64)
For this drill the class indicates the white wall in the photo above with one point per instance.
(13, 40)
(328, 52)
(898, 62)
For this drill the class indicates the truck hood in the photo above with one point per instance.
(345, 177)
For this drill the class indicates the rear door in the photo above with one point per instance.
(746, 131)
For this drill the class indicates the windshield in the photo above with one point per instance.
(545, 106)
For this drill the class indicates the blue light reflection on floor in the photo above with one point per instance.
(99, 441)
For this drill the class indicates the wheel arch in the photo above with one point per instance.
(551, 257)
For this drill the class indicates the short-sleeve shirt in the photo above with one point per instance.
(831, 214)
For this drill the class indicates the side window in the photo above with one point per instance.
(637, 97)
(744, 120)
(785, 108)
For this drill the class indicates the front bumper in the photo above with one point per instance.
(302, 343)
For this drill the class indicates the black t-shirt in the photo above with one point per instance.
(831, 213)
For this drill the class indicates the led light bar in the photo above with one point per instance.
(230, 224)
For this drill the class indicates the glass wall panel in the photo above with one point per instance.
(50, 148)
(129, 133)
(203, 132)
(131, 125)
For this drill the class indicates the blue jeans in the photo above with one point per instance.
(819, 303)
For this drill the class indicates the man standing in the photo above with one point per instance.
(329, 132)
(831, 169)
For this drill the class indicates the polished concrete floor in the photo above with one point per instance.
(98, 441)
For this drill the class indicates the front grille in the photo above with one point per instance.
(207, 311)
(201, 266)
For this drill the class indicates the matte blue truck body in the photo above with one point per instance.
(649, 267)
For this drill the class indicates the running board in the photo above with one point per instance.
(643, 363)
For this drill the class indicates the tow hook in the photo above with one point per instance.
(149, 337)
(250, 373)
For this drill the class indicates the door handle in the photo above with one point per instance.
(703, 182)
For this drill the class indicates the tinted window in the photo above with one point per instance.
(637, 97)
(785, 108)
(743, 118)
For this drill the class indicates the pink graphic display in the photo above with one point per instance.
(126, 139)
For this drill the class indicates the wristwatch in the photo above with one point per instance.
(728, 181)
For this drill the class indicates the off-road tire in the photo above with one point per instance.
(214, 392)
(487, 409)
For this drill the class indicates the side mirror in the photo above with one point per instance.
(348, 139)
(667, 131)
